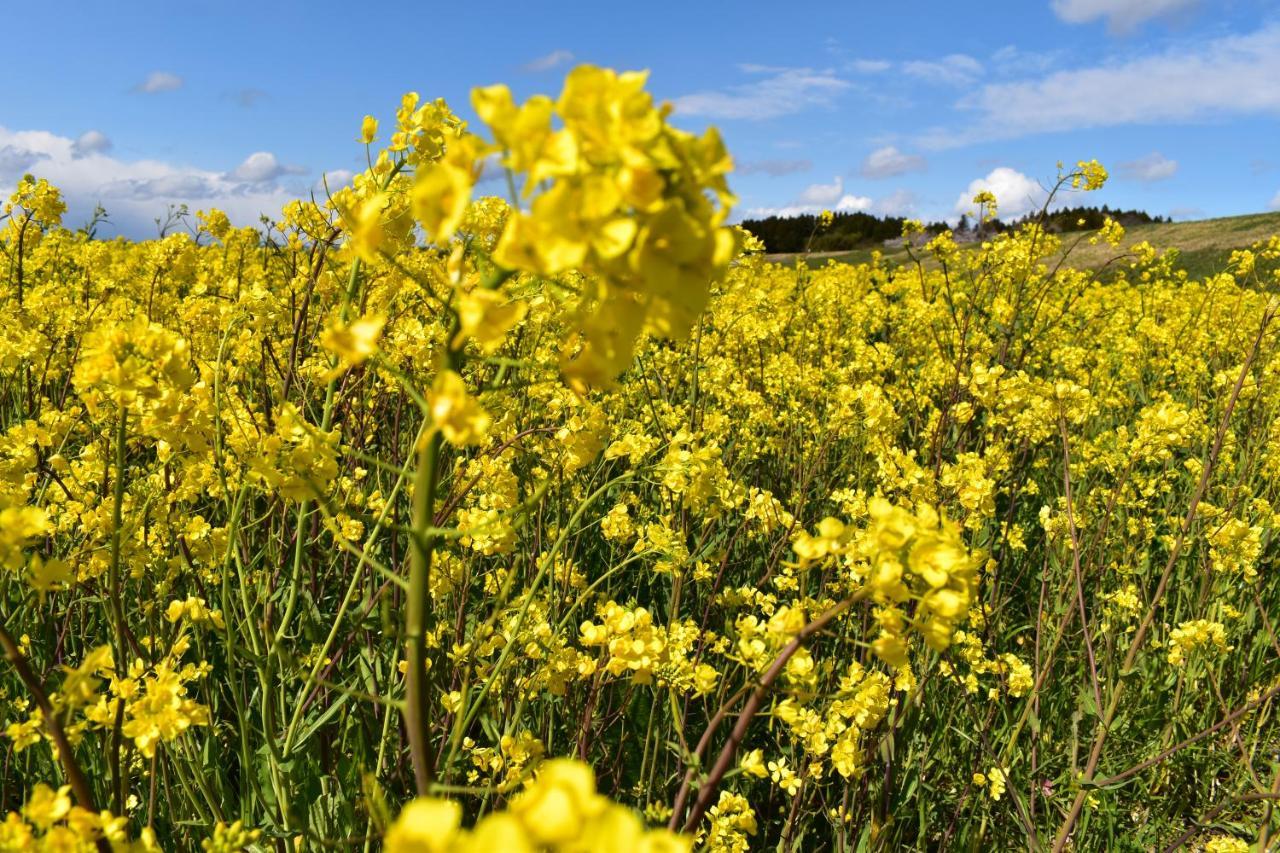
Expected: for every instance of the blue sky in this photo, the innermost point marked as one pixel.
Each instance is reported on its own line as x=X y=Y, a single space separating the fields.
x=891 y=108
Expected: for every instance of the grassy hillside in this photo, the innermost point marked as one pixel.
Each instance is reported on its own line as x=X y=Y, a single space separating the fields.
x=1204 y=245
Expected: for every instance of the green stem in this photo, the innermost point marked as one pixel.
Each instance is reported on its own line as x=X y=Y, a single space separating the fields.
x=117 y=611
x=416 y=698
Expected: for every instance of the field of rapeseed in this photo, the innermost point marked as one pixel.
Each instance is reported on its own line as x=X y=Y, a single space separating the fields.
x=431 y=521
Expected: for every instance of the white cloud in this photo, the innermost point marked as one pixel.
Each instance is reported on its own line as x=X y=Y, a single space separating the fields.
x=1232 y=75
x=870 y=66
x=1013 y=60
x=956 y=69
x=822 y=195
x=159 y=81
x=134 y=192
x=772 y=168
x=91 y=142
x=1275 y=202
x=1153 y=167
x=889 y=161
x=260 y=167
x=554 y=59
x=783 y=91
x=16 y=160
x=332 y=181
x=816 y=198
x=1122 y=15
x=897 y=203
x=851 y=203
x=1015 y=193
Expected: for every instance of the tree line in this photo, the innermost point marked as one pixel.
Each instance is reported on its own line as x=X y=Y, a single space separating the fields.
x=857 y=230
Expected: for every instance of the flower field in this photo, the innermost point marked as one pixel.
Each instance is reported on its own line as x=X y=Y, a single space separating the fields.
x=427 y=520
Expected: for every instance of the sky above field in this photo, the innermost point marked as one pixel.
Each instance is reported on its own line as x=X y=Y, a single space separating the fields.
x=903 y=109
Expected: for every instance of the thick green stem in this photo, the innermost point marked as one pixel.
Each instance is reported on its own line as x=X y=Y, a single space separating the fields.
x=117 y=610
x=415 y=627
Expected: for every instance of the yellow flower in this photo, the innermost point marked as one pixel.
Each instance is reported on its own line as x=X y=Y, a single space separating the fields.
x=426 y=825
x=45 y=806
x=48 y=575
x=366 y=228
x=353 y=343
x=560 y=800
x=996 y=779
x=485 y=316
x=753 y=763
x=458 y=416
x=368 y=129
x=499 y=831
x=440 y=197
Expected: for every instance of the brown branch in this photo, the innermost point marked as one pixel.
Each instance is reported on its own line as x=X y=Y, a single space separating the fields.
x=753 y=704
x=75 y=778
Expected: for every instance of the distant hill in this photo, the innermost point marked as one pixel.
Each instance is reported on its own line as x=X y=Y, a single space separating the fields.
x=1204 y=245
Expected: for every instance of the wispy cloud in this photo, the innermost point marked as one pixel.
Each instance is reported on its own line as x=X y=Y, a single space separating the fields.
x=773 y=168
x=159 y=81
x=1275 y=201
x=554 y=59
x=248 y=97
x=889 y=161
x=777 y=92
x=956 y=69
x=1231 y=75
x=1122 y=16
x=1153 y=167
x=870 y=66
x=1013 y=60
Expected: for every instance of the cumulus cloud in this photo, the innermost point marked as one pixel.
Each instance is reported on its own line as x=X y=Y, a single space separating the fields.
x=829 y=196
x=159 y=81
x=134 y=192
x=1122 y=16
x=189 y=187
x=1016 y=194
x=816 y=198
x=332 y=181
x=897 y=203
x=1231 y=75
x=16 y=160
x=956 y=69
x=261 y=167
x=772 y=168
x=777 y=92
x=889 y=161
x=91 y=142
x=1153 y=167
x=554 y=59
